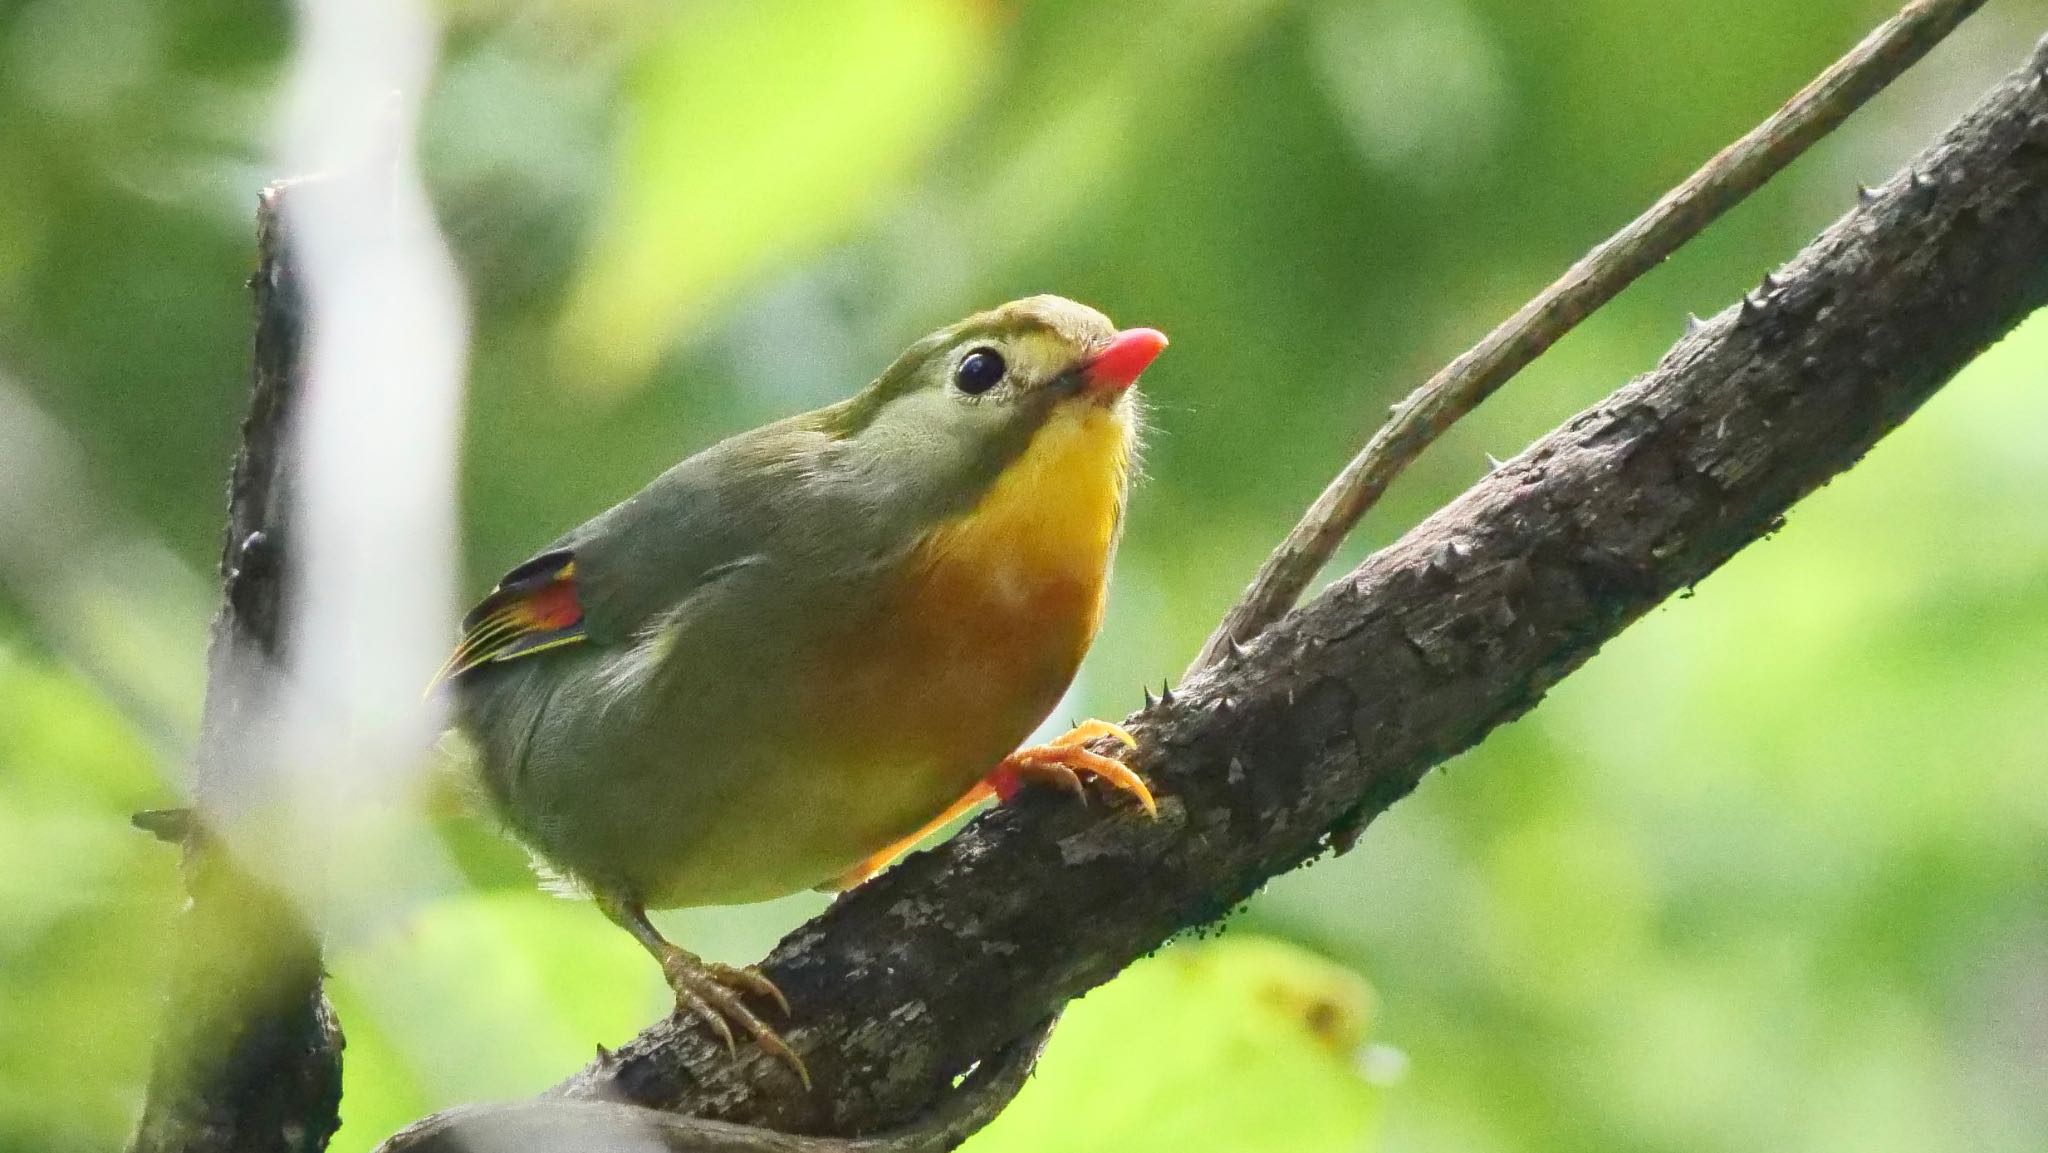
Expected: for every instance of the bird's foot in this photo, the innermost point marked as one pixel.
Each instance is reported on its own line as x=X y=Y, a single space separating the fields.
x=715 y=994
x=1063 y=763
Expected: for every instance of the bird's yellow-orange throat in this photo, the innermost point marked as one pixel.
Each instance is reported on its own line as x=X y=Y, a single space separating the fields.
x=990 y=619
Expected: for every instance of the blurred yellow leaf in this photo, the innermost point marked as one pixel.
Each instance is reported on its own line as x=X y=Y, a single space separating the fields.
x=84 y=904
x=1241 y=1044
x=481 y=995
x=759 y=131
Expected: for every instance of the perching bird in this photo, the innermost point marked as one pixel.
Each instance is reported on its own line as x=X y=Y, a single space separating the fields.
x=799 y=650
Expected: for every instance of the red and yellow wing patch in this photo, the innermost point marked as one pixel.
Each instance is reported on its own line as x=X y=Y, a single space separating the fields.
x=533 y=609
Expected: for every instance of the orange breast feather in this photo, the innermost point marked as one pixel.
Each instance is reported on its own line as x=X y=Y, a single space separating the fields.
x=987 y=627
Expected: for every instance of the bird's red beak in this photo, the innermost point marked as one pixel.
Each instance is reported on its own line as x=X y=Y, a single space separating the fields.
x=1123 y=360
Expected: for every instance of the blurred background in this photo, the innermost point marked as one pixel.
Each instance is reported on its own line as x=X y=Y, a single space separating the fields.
x=1771 y=872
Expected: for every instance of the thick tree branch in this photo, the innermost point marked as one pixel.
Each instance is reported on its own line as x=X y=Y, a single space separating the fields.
x=1338 y=710
x=544 y=1124
x=1598 y=277
x=248 y=1055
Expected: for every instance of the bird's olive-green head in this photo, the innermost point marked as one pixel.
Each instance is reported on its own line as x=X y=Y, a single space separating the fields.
x=962 y=405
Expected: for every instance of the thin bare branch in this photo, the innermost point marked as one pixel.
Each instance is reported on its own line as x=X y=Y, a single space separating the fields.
x=1597 y=278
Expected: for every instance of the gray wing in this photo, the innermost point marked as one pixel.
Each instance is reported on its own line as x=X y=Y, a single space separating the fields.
x=745 y=502
x=772 y=517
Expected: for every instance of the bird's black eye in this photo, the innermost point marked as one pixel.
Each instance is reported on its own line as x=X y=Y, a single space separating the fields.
x=979 y=371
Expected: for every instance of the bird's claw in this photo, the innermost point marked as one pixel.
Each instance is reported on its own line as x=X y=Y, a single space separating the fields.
x=1063 y=762
x=749 y=980
x=714 y=994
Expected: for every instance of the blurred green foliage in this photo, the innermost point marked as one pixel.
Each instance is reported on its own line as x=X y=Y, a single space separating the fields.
x=1241 y=1044
x=1769 y=873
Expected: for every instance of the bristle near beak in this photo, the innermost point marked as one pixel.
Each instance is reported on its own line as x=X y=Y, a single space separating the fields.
x=1123 y=360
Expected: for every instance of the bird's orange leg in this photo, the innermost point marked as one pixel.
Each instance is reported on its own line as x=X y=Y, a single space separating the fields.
x=1061 y=762
x=879 y=861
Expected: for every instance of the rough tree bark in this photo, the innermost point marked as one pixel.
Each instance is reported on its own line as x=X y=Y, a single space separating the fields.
x=1462 y=625
x=248 y=1054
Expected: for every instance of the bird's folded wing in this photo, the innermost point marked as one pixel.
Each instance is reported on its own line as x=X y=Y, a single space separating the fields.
x=703 y=521
x=534 y=608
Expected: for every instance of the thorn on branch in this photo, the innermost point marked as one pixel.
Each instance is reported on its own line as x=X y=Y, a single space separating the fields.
x=1166 y=693
x=171 y=826
x=1867 y=195
x=1343 y=836
x=1924 y=186
x=1149 y=702
x=254 y=557
x=1693 y=324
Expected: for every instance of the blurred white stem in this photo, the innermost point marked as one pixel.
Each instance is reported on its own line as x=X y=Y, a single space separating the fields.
x=374 y=507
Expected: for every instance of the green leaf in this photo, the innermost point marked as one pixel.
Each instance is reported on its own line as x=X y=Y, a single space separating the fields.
x=481 y=996
x=1241 y=1044
x=758 y=132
